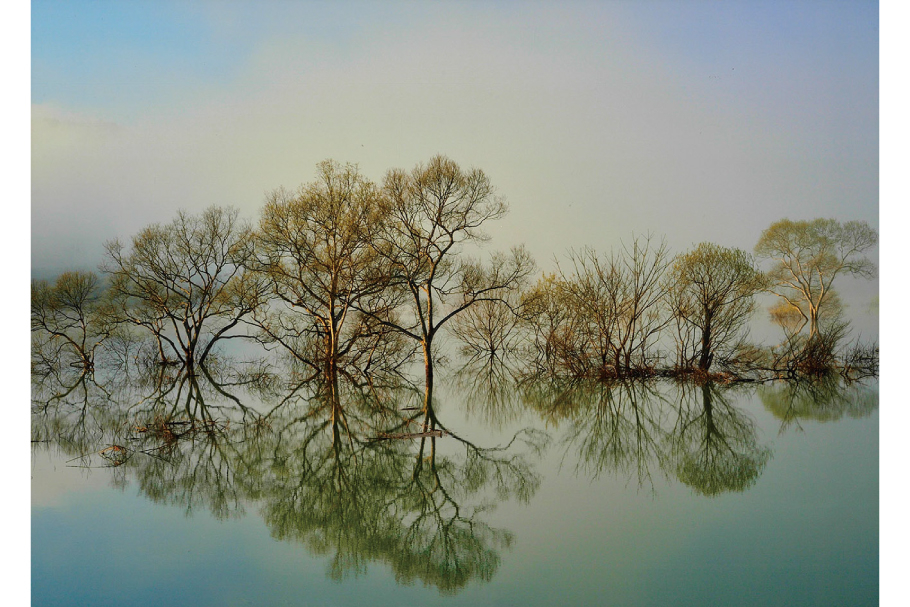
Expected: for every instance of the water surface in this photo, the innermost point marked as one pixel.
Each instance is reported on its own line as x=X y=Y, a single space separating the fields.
x=216 y=492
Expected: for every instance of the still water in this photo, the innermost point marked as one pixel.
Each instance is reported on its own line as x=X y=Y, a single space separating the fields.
x=244 y=489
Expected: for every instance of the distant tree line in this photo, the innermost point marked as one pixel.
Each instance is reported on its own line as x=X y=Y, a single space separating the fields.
x=353 y=278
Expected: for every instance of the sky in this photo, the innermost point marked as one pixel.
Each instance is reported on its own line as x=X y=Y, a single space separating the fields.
x=597 y=121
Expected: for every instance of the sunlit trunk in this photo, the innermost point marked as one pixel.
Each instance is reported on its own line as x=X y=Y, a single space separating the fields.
x=813 y=322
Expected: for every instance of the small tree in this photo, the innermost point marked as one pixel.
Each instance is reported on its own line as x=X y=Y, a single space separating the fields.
x=185 y=282
x=615 y=312
x=551 y=328
x=69 y=315
x=807 y=256
x=711 y=291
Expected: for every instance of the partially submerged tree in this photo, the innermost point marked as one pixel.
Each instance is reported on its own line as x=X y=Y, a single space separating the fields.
x=185 y=282
x=314 y=247
x=490 y=331
x=801 y=354
x=711 y=291
x=612 y=311
x=67 y=315
x=550 y=327
x=807 y=256
x=431 y=213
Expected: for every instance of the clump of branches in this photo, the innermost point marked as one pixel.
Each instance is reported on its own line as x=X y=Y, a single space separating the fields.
x=860 y=360
x=808 y=354
x=602 y=318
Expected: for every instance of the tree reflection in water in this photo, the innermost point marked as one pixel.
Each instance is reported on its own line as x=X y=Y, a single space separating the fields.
x=342 y=491
x=312 y=458
x=323 y=469
x=615 y=427
x=634 y=429
x=828 y=398
x=714 y=444
x=70 y=412
x=490 y=390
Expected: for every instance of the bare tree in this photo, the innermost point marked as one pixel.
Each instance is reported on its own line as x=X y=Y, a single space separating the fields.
x=491 y=330
x=711 y=291
x=314 y=246
x=68 y=314
x=185 y=283
x=615 y=312
x=431 y=213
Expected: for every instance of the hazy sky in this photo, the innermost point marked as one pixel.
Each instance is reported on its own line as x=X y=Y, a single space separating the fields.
x=595 y=120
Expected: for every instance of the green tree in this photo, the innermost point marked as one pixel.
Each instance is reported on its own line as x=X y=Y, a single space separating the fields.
x=806 y=258
x=711 y=297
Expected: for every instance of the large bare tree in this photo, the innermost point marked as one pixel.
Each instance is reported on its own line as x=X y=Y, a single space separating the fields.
x=314 y=246
x=430 y=214
x=185 y=282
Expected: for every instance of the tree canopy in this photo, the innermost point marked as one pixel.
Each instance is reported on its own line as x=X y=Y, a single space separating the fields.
x=807 y=256
x=185 y=281
x=711 y=296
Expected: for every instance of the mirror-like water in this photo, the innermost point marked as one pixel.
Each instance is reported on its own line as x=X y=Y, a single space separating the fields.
x=242 y=489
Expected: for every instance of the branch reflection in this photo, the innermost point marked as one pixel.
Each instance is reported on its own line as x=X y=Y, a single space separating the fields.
x=714 y=443
x=825 y=399
x=311 y=457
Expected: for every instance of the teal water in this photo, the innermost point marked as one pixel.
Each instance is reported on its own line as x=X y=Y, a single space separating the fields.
x=628 y=495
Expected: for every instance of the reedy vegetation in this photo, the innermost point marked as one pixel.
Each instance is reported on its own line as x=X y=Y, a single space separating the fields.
x=349 y=277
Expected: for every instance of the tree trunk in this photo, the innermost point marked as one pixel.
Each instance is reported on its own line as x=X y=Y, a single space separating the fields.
x=704 y=361
x=428 y=366
x=813 y=322
x=189 y=356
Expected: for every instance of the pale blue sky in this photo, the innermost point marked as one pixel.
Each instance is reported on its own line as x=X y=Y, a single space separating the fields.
x=694 y=120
